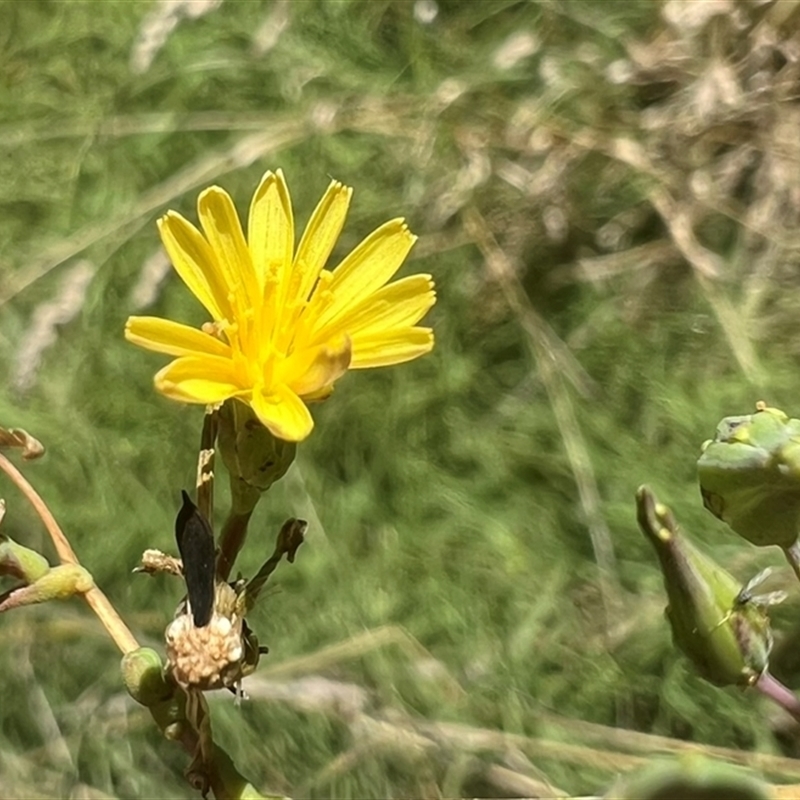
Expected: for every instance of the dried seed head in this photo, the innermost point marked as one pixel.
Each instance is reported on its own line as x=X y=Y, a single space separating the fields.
x=209 y=657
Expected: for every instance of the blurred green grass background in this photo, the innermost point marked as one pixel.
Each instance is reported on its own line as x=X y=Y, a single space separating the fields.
x=607 y=195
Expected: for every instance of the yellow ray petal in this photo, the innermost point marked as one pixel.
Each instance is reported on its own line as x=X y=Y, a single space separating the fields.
x=283 y=413
x=173 y=338
x=314 y=369
x=400 y=304
x=369 y=266
x=270 y=228
x=392 y=347
x=320 y=235
x=224 y=233
x=194 y=262
x=198 y=379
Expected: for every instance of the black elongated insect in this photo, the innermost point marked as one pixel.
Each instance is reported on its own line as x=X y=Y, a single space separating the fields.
x=196 y=545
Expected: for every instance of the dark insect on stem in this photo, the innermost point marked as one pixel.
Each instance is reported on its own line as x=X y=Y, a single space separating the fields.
x=196 y=545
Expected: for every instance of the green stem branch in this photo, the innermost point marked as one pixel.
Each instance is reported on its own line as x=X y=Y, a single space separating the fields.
x=98 y=602
x=234 y=534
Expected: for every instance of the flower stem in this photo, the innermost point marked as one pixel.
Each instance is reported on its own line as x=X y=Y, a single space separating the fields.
x=778 y=693
x=234 y=533
x=97 y=601
x=792 y=554
x=205 y=464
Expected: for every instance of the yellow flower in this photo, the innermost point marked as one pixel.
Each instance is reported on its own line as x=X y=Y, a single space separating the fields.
x=284 y=328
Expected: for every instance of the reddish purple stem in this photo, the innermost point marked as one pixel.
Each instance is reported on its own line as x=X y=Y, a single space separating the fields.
x=778 y=693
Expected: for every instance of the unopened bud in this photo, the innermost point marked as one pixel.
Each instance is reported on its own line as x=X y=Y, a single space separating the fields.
x=143 y=675
x=21 y=562
x=58 y=583
x=690 y=776
x=717 y=626
x=750 y=476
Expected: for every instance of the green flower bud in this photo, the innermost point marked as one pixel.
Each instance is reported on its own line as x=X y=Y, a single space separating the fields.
x=715 y=622
x=143 y=675
x=255 y=459
x=58 y=583
x=690 y=777
x=20 y=562
x=750 y=476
